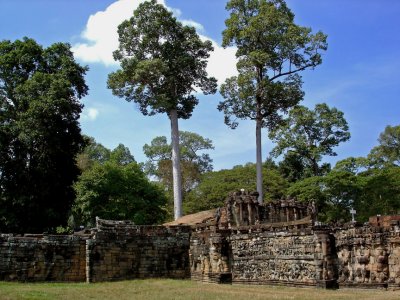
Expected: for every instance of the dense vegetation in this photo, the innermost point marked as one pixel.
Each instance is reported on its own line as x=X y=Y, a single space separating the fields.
x=113 y=186
x=40 y=135
x=51 y=175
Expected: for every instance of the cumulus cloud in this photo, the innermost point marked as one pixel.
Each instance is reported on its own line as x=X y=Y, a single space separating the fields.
x=100 y=39
x=90 y=114
x=100 y=35
x=222 y=61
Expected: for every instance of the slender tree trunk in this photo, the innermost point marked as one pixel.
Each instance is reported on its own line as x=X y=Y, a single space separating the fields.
x=176 y=164
x=259 y=161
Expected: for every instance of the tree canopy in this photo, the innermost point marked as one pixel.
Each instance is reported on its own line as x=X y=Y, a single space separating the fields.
x=194 y=161
x=162 y=64
x=271 y=50
x=370 y=185
x=191 y=145
x=40 y=135
x=310 y=134
x=388 y=150
x=113 y=186
x=214 y=187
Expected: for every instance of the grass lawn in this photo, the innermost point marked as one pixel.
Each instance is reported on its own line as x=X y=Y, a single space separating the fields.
x=178 y=289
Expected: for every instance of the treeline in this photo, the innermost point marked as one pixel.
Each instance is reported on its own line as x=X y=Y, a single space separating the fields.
x=53 y=178
x=370 y=185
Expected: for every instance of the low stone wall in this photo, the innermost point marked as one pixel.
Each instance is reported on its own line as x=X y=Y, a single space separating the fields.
x=125 y=251
x=42 y=258
x=114 y=250
x=296 y=254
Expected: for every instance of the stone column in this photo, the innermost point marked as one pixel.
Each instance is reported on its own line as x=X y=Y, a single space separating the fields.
x=240 y=213
x=250 y=211
x=394 y=262
x=324 y=260
x=89 y=246
x=287 y=213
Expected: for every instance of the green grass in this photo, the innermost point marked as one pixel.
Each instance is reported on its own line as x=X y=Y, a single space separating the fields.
x=178 y=289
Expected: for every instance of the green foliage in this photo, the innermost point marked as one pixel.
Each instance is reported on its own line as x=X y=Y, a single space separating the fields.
x=40 y=135
x=307 y=135
x=378 y=185
x=270 y=47
x=214 y=187
x=64 y=230
x=292 y=167
x=341 y=190
x=93 y=152
x=271 y=51
x=96 y=153
x=193 y=162
x=190 y=143
x=380 y=193
x=162 y=62
x=117 y=192
x=371 y=192
x=114 y=187
x=334 y=194
x=309 y=189
x=388 y=151
x=354 y=165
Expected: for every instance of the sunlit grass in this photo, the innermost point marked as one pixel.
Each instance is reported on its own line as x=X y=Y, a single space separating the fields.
x=178 y=289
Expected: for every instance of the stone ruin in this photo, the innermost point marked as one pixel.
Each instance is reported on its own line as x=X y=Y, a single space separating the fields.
x=277 y=243
x=280 y=243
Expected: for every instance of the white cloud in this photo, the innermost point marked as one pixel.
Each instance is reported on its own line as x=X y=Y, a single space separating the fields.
x=100 y=34
x=90 y=114
x=194 y=24
x=100 y=39
x=176 y=11
x=222 y=62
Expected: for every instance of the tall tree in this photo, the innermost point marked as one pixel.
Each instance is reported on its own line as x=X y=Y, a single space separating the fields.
x=40 y=135
x=271 y=50
x=162 y=64
x=310 y=134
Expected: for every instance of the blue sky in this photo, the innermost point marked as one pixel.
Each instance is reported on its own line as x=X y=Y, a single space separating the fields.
x=359 y=74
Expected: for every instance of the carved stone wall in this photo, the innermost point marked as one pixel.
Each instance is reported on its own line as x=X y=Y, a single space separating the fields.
x=263 y=257
x=279 y=243
x=42 y=258
x=242 y=209
x=368 y=256
x=221 y=249
x=273 y=257
x=210 y=256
